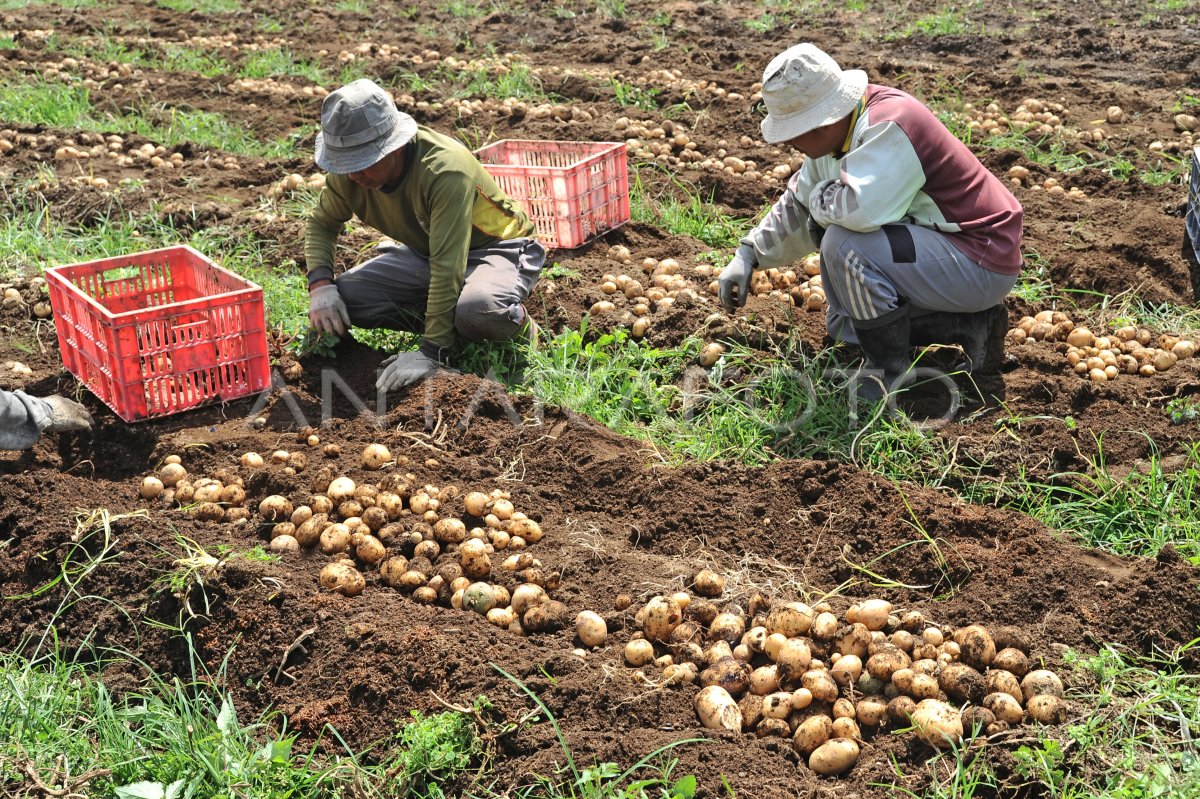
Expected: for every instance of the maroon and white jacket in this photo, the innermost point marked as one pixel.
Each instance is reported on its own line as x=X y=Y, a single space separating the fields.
x=901 y=165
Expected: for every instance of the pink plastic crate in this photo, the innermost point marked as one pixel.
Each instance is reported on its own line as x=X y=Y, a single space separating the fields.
x=160 y=332
x=572 y=191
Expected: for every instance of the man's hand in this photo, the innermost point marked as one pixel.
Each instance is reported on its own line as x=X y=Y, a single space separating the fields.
x=326 y=311
x=67 y=416
x=736 y=276
x=405 y=368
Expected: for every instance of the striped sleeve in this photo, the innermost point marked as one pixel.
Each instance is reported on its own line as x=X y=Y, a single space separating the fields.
x=781 y=237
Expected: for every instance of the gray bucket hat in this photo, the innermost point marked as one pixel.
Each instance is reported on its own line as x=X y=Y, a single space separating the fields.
x=360 y=125
x=804 y=89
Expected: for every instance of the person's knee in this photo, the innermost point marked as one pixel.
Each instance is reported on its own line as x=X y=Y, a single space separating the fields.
x=480 y=317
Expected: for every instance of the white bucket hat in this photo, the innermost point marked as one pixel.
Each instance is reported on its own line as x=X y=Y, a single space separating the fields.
x=360 y=125
x=804 y=89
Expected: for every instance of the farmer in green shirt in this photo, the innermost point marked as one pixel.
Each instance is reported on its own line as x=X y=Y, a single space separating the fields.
x=464 y=258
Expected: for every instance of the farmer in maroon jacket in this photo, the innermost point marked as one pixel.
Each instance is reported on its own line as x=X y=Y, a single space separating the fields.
x=919 y=242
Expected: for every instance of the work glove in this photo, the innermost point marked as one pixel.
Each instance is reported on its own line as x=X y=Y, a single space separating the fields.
x=736 y=276
x=66 y=416
x=405 y=368
x=326 y=311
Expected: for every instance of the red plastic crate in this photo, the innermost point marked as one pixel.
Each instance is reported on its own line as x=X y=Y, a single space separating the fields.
x=160 y=332
x=571 y=190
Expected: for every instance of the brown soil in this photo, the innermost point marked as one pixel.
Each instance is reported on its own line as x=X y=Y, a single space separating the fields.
x=617 y=520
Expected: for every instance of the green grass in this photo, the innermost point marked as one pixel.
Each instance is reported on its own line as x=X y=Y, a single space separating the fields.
x=57 y=105
x=274 y=62
x=1135 y=514
x=202 y=6
x=679 y=208
x=175 y=737
x=627 y=94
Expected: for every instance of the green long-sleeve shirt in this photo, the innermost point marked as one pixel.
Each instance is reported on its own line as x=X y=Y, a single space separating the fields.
x=446 y=205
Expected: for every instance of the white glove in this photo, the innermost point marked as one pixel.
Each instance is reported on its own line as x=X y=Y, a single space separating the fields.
x=736 y=276
x=67 y=416
x=326 y=311
x=405 y=368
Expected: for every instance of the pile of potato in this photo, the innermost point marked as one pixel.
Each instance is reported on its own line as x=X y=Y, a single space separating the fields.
x=801 y=672
x=665 y=284
x=1127 y=350
x=786 y=286
x=433 y=542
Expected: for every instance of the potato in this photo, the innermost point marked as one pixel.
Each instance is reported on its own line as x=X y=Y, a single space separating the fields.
x=450 y=531
x=1041 y=682
x=392 y=569
x=591 y=628
x=730 y=674
x=701 y=611
x=801 y=698
x=773 y=728
x=526 y=596
x=708 y=583
x=727 y=627
x=284 y=544
x=900 y=710
x=171 y=474
x=975 y=720
x=924 y=686
x=886 y=662
x=341 y=577
x=549 y=616
x=790 y=620
x=479 y=597
x=1004 y=707
x=847 y=670
x=683 y=673
x=151 y=487
x=639 y=652
x=1047 y=709
x=376 y=456
x=812 y=733
x=477 y=503
x=1004 y=682
x=937 y=723
x=1011 y=660
x=661 y=617
x=820 y=684
x=764 y=680
x=853 y=640
x=275 y=508
x=978 y=646
x=335 y=538
x=501 y=617
x=871 y=612
x=835 y=756
x=846 y=727
x=824 y=626
x=793 y=658
x=870 y=711
x=751 y=707
x=370 y=550
x=252 y=460
x=340 y=490
x=962 y=683
x=717 y=710
x=777 y=705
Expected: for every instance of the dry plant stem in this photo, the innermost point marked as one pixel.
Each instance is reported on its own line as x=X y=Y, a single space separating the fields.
x=295 y=646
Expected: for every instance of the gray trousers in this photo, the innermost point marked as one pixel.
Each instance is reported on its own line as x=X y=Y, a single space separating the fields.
x=22 y=419
x=391 y=289
x=866 y=274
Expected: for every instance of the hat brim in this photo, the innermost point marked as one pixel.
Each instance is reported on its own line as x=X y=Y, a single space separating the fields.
x=777 y=128
x=343 y=161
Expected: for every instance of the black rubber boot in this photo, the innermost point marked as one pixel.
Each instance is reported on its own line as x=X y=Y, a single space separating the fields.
x=981 y=336
x=884 y=342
